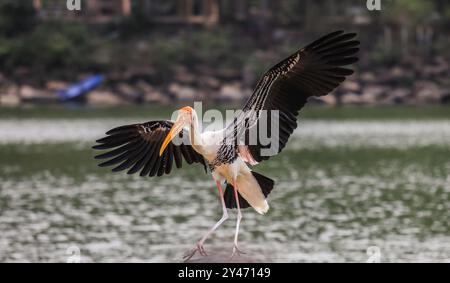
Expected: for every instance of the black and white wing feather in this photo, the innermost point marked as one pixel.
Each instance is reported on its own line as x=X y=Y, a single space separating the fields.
x=136 y=148
x=314 y=70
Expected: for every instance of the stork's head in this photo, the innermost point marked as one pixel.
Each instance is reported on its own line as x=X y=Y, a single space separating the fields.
x=185 y=117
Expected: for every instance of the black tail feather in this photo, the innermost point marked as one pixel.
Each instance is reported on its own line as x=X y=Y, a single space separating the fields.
x=264 y=182
x=230 y=201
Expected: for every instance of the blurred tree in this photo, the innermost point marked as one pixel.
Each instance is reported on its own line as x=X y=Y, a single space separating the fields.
x=250 y=35
x=288 y=12
x=51 y=49
x=16 y=17
x=414 y=18
x=410 y=12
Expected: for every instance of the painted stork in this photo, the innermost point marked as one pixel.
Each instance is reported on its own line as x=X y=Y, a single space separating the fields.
x=150 y=148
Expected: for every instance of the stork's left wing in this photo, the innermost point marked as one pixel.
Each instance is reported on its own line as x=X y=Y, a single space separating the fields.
x=136 y=147
x=314 y=70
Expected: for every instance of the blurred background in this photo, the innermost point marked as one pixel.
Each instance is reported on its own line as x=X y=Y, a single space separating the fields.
x=163 y=51
x=368 y=165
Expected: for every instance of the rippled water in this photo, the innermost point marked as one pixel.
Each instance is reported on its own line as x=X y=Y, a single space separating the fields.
x=341 y=187
x=315 y=133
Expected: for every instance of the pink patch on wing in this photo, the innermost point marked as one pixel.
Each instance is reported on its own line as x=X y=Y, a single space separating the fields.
x=245 y=154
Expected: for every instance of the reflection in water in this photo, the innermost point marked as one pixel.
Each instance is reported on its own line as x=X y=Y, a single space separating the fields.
x=331 y=202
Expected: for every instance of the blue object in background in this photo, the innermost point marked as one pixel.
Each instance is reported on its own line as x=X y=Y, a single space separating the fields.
x=80 y=88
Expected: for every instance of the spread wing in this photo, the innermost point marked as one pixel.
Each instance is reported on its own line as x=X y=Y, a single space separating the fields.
x=314 y=70
x=136 y=148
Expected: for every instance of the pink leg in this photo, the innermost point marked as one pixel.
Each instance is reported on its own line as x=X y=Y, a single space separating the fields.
x=239 y=217
x=199 y=246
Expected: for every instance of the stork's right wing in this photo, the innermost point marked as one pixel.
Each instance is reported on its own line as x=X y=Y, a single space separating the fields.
x=136 y=147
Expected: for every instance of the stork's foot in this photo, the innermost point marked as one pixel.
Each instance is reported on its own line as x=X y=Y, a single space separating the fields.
x=237 y=251
x=190 y=253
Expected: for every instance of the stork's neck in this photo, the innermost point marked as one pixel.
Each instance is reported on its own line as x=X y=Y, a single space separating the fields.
x=195 y=135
